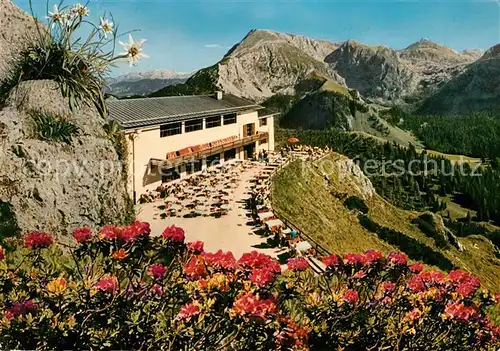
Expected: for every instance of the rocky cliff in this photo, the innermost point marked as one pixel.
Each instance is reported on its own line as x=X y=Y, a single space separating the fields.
x=52 y=186
x=475 y=89
x=265 y=63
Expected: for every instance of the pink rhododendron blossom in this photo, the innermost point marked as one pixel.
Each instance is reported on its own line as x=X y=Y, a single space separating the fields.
x=256 y=259
x=82 y=234
x=359 y=275
x=388 y=286
x=188 y=311
x=220 y=260
x=351 y=296
x=195 y=247
x=331 y=261
x=373 y=256
x=157 y=289
x=37 y=240
x=251 y=305
x=459 y=311
x=174 y=234
x=297 y=264
x=262 y=277
x=354 y=259
x=157 y=271
x=416 y=268
x=397 y=258
x=107 y=283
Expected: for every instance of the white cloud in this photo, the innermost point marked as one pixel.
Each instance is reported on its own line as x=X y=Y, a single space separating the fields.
x=213 y=46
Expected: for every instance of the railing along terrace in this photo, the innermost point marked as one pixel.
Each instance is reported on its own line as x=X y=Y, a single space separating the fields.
x=175 y=161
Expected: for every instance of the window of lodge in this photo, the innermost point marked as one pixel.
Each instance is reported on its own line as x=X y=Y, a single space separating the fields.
x=229 y=119
x=170 y=129
x=212 y=122
x=193 y=125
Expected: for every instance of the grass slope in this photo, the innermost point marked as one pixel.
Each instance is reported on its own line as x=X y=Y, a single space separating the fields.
x=300 y=195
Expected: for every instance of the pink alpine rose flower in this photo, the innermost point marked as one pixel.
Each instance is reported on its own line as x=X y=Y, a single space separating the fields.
x=174 y=234
x=388 y=286
x=188 y=311
x=108 y=283
x=82 y=234
x=397 y=259
x=157 y=271
x=262 y=277
x=297 y=264
x=416 y=268
x=373 y=256
x=38 y=240
x=331 y=261
x=351 y=296
x=195 y=247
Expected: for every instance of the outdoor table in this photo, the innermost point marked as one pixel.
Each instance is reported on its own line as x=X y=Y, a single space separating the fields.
x=303 y=246
x=175 y=207
x=274 y=223
x=286 y=231
x=262 y=216
x=200 y=209
x=225 y=207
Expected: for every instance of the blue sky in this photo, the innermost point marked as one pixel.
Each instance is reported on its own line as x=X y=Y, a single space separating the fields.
x=185 y=35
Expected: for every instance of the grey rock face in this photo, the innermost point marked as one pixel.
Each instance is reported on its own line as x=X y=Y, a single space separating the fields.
x=265 y=63
x=375 y=72
x=54 y=186
x=16 y=28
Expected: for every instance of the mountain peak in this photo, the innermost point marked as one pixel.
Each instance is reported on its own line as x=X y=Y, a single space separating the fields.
x=155 y=74
x=427 y=43
x=493 y=52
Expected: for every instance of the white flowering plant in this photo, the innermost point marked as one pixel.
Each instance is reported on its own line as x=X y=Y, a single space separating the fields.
x=79 y=64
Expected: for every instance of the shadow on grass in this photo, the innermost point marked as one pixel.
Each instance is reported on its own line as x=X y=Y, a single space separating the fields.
x=410 y=246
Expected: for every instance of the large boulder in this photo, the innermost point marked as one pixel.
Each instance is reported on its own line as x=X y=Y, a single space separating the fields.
x=51 y=186
x=17 y=28
x=55 y=186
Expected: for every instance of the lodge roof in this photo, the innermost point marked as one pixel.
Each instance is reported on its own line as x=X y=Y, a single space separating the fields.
x=142 y=112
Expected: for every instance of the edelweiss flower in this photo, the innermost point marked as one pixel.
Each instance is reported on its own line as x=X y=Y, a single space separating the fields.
x=133 y=50
x=55 y=16
x=80 y=10
x=106 y=26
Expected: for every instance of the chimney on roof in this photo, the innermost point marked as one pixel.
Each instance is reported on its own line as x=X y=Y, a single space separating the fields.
x=218 y=95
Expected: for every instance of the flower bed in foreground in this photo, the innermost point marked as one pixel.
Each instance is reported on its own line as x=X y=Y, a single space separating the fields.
x=122 y=289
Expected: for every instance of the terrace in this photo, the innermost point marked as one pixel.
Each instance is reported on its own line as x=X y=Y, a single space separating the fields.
x=198 y=152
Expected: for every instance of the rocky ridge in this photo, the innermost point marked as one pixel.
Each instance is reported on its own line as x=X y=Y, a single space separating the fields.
x=265 y=63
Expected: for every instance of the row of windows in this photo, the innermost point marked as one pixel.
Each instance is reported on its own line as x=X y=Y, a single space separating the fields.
x=196 y=124
x=212 y=122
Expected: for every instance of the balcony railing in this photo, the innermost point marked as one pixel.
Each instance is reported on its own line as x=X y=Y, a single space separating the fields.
x=176 y=161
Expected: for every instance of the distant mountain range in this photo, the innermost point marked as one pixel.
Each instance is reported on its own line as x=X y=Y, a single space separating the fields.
x=144 y=83
x=419 y=77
